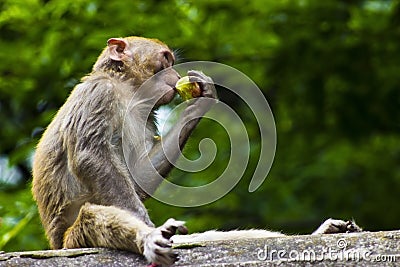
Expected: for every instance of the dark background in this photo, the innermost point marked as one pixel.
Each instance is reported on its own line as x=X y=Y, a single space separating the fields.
x=329 y=69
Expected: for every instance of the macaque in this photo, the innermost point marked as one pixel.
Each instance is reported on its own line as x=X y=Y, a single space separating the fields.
x=86 y=195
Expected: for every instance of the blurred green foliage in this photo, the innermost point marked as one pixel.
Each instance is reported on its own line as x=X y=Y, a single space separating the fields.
x=330 y=70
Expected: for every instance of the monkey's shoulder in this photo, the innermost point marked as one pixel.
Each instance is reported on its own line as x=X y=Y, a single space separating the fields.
x=92 y=104
x=94 y=86
x=94 y=95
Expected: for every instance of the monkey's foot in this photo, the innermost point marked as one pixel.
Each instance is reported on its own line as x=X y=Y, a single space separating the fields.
x=332 y=226
x=158 y=244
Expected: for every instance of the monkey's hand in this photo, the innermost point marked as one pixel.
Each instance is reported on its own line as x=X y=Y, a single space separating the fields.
x=206 y=83
x=166 y=152
x=158 y=244
x=332 y=226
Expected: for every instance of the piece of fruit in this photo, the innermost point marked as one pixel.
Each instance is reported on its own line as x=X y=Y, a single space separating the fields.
x=186 y=89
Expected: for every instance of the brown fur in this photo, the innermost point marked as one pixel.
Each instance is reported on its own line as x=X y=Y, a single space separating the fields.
x=85 y=193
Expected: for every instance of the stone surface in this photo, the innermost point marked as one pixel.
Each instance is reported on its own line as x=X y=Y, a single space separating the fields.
x=355 y=249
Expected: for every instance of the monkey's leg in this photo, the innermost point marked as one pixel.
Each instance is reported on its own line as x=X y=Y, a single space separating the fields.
x=112 y=227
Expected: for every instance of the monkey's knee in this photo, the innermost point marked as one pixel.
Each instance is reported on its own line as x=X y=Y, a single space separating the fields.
x=78 y=234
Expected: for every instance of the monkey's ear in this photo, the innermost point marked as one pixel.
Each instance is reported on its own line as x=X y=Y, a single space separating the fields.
x=116 y=47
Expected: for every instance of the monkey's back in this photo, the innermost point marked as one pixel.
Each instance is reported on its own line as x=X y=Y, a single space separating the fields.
x=57 y=190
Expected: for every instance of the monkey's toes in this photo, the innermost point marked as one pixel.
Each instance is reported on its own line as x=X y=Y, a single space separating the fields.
x=332 y=226
x=169 y=228
x=183 y=230
x=352 y=227
x=158 y=246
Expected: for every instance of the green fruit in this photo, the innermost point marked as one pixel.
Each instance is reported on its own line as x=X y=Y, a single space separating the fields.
x=186 y=89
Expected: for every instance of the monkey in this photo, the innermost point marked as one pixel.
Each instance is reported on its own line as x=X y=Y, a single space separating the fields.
x=85 y=194
x=82 y=184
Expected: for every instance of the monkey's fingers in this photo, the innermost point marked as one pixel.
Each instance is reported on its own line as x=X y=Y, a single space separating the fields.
x=206 y=83
x=198 y=77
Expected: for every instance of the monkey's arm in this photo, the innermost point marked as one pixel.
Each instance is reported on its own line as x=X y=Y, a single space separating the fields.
x=166 y=152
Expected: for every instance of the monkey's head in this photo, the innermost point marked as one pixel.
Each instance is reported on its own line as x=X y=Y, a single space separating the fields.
x=137 y=59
